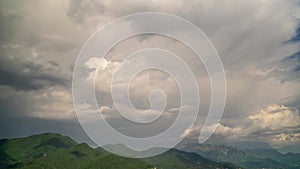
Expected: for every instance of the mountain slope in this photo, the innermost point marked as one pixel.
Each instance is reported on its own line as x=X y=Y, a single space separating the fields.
x=252 y=159
x=17 y=150
x=292 y=160
x=56 y=151
x=82 y=156
x=172 y=159
x=176 y=159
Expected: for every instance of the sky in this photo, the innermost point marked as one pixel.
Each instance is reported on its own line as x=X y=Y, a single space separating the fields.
x=257 y=41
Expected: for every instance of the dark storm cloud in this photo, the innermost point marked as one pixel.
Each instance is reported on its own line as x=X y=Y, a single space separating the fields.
x=287 y=69
x=297 y=35
x=18 y=68
x=30 y=75
x=295 y=57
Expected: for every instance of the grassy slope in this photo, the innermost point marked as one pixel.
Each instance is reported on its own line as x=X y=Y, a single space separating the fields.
x=56 y=151
x=18 y=150
x=82 y=156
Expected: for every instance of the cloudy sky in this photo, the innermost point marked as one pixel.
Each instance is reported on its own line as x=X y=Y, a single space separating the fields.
x=258 y=43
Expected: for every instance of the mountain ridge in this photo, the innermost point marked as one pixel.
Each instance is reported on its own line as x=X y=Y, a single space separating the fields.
x=56 y=151
x=248 y=158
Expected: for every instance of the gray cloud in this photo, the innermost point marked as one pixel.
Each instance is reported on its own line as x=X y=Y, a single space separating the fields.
x=9 y=21
x=244 y=36
x=38 y=47
x=26 y=74
x=297 y=36
x=79 y=11
x=288 y=69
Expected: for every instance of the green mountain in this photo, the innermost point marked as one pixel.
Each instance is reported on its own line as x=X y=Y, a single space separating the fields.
x=251 y=159
x=57 y=151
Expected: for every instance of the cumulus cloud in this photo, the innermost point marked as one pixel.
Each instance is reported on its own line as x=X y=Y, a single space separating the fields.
x=102 y=72
x=276 y=117
x=275 y=124
x=140 y=86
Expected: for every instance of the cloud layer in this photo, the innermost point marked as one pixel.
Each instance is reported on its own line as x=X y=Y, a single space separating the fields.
x=258 y=42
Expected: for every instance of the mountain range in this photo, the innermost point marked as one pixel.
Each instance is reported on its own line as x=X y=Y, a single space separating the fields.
x=51 y=150
x=249 y=158
x=56 y=151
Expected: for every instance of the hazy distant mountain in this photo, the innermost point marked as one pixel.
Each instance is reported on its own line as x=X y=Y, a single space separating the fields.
x=290 y=159
x=252 y=159
x=175 y=159
x=56 y=151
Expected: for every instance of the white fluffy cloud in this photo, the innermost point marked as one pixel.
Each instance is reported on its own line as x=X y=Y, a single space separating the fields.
x=101 y=71
x=275 y=117
x=275 y=124
x=140 y=86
